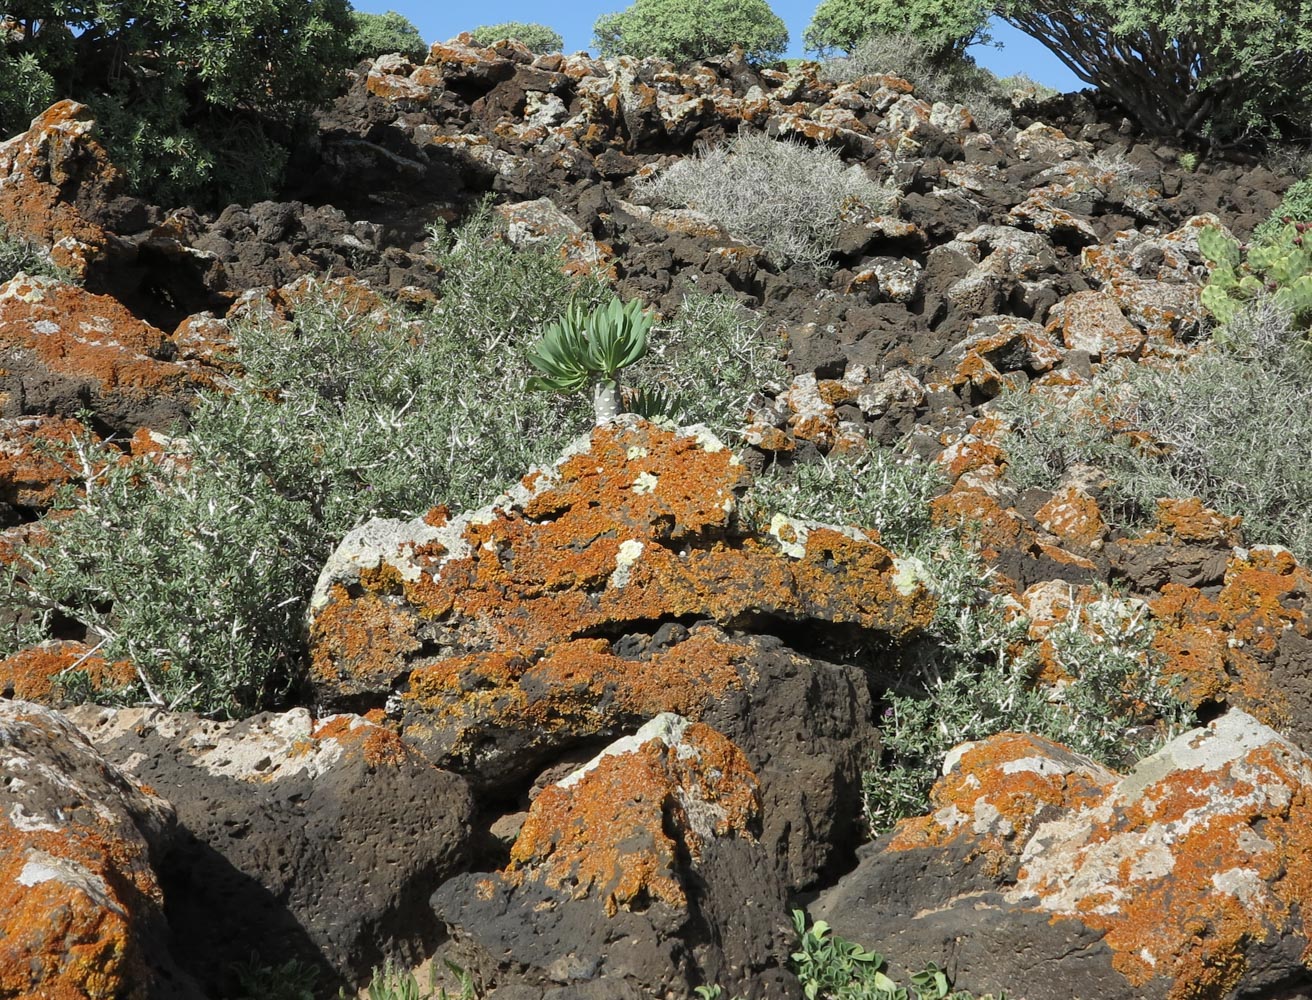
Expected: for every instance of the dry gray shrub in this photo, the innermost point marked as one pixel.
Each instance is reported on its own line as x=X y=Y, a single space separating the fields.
x=781 y=196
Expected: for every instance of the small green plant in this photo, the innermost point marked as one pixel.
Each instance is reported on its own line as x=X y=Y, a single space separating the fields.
x=1188 y=162
x=1295 y=206
x=588 y=348
x=785 y=197
x=833 y=968
x=1279 y=265
x=393 y=983
x=292 y=980
x=18 y=254
x=538 y=37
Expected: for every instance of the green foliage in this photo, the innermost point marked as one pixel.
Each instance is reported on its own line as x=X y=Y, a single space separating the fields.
x=937 y=75
x=1279 y=265
x=966 y=679
x=538 y=37
x=833 y=968
x=945 y=28
x=18 y=254
x=292 y=980
x=588 y=348
x=178 y=89
x=1194 y=70
x=393 y=983
x=375 y=35
x=970 y=684
x=590 y=345
x=782 y=196
x=1188 y=162
x=25 y=90
x=686 y=30
x=1295 y=206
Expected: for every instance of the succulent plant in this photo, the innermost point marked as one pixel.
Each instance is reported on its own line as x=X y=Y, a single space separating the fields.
x=1280 y=266
x=589 y=347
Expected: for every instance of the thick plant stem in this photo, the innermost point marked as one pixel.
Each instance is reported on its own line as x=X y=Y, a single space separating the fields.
x=606 y=401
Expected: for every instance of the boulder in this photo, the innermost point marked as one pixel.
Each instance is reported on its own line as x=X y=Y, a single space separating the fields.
x=81 y=908
x=68 y=349
x=640 y=874
x=51 y=177
x=600 y=593
x=318 y=840
x=1045 y=875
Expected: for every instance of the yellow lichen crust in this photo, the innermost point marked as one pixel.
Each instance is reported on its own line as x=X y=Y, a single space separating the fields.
x=1221 y=648
x=618 y=832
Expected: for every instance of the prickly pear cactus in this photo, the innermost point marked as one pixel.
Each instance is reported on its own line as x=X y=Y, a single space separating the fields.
x=1280 y=265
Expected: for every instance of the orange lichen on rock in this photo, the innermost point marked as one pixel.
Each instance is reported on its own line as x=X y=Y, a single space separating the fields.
x=577 y=687
x=1074 y=518
x=993 y=527
x=639 y=527
x=624 y=828
x=1189 y=520
x=36 y=673
x=90 y=338
x=39 y=456
x=362 y=641
x=44 y=170
x=378 y=744
x=998 y=790
x=1201 y=853
x=78 y=899
x=1221 y=648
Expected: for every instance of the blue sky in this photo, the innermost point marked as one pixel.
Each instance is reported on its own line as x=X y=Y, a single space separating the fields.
x=574 y=19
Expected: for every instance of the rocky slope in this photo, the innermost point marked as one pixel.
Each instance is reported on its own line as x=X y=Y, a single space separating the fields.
x=597 y=739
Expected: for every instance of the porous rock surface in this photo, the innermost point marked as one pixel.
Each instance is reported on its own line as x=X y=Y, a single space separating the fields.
x=633 y=876
x=605 y=591
x=317 y=840
x=81 y=907
x=1044 y=872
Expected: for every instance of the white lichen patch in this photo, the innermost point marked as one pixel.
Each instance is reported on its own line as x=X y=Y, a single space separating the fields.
x=705 y=438
x=635 y=452
x=42 y=867
x=20 y=819
x=629 y=552
x=1245 y=884
x=385 y=541
x=789 y=534
x=645 y=483
x=910 y=575
x=668 y=727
